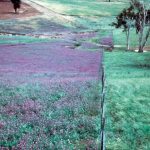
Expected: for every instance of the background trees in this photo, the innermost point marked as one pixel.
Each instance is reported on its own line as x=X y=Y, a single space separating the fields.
x=126 y=19
x=142 y=23
x=137 y=16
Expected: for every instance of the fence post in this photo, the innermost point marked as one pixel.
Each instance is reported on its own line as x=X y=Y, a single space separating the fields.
x=103 y=110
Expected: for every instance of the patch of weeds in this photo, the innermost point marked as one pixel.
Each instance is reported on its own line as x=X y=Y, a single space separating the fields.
x=90 y=109
x=44 y=121
x=10 y=140
x=64 y=113
x=86 y=129
x=26 y=128
x=56 y=96
x=91 y=102
x=8 y=95
x=108 y=41
x=77 y=44
x=95 y=40
x=11 y=137
x=68 y=112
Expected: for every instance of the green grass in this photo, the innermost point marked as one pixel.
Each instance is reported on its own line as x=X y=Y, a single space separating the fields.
x=85 y=7
x=128 y=82
x=119 y=38
x=86 y=13
x=6 y=39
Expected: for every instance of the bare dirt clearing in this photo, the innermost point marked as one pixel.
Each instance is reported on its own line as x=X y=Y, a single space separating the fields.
x=7 y=11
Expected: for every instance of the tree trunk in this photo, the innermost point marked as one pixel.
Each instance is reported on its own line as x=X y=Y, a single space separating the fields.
x=141 y=40
x=141 y=33
x=128 y=38
x=146 y=37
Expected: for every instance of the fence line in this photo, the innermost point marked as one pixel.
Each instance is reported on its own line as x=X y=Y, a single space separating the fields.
x=103 y=107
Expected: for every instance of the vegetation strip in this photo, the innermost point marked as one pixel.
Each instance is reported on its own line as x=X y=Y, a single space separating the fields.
x=53 y=36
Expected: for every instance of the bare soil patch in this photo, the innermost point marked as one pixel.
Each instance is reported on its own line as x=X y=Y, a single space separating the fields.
x=7 y=11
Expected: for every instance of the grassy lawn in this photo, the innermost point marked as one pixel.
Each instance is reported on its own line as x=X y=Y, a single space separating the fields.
x=128 y=82
x=85 y=7
x=6 y=39
x=87 y=13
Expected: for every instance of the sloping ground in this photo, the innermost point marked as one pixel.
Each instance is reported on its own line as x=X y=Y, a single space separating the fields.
x=34 y=25
x=7 y=11
x=84 y=13
x=29 y=20
x=49 y=91
x=47 y=62
x=49 y=97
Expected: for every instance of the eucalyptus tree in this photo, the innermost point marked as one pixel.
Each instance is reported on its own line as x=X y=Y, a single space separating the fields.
x=142 y=22
x=126 y=20
x=136 y=16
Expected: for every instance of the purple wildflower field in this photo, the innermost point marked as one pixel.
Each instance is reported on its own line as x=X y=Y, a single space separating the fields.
x=47 y=62
x=46 y=91
x=49 y=90
x=107 y=41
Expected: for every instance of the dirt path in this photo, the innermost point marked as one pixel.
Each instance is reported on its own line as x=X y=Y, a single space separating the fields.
x=7 y=11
